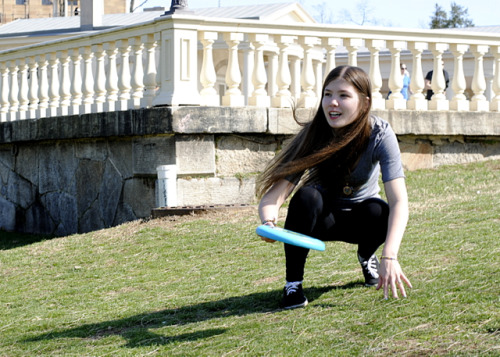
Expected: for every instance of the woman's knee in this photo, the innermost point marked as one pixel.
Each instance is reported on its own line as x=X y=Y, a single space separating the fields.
x=307 y=197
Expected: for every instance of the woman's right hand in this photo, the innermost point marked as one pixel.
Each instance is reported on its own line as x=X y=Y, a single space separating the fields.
x=268 y=240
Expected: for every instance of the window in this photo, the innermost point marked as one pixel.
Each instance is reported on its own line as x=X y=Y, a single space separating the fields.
x=20 y=2
x=46 y=2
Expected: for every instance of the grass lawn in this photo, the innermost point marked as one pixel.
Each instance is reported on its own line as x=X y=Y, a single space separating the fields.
x=206 y=285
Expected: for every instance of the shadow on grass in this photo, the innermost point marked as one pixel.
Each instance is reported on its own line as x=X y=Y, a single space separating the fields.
x=11 y=240
x=137 y=329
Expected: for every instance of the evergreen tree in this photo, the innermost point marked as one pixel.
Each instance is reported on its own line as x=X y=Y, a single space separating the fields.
x=458 y=17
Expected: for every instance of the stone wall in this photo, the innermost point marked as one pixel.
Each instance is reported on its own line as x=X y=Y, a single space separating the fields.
x=82 y=173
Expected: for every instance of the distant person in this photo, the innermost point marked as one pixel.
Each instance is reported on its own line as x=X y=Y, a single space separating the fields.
x=77 y=11
x=405 y=91
x=406 y=81
x=428 y=79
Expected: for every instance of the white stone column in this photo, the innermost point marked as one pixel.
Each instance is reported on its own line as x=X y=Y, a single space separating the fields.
x=459 y=102
x=14 y=90
x=417 y=99
x=272 y=73
x=259 y=96
x=438 y=83
x=100 y=79
x=283 y=97
x=43 y=87
x=396 y=99
x=150 y=71
x=178 y=68
x=137 y=77
x=352 y=45
x=308 y=98
x=374 y=46
x=76 y=82
x=111 y=78
x=233 y=96
x=88 y=80
x=295 y=77
x=54 y=84
x=33 y=87
x=495 y=101
x=23 y=89
x=208 y=76
x=124 y=77
x=318 y=74
x=65 y=85
x=247 y=51
x=478 y=101
x=330 y=44
x=4 y=93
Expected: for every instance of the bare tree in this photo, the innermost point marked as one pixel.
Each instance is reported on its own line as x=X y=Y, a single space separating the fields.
x=132 y=8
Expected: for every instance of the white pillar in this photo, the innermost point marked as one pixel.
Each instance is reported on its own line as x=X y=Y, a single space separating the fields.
x=33 y=87
x=283 y=97
x=14 y=90
x=208 y=76
x=23 y=89
x=459 y=101
x=478 y=101
x=374 y=46
x=353 y=45
x=76 y=82
x=112 y=77
x=331 y=44
x=308 y=97
x=123 y=76
x=417 y=99
x=88 y=80
x=438 y=83
x=100 y=79
x=43 y=87
x=259 y=96
x=150 y=71
x=137 y=77
x=233 y=96
x=65 y=85
x=495 y=101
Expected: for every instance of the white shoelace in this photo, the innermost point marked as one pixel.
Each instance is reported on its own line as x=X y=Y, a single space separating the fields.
x=292 y=287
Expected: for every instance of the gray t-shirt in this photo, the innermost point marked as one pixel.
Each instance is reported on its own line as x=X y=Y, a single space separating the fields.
x=381 y=155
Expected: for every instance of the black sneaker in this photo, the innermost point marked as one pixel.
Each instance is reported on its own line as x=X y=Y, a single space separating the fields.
x=293 y=296
x=370 y=269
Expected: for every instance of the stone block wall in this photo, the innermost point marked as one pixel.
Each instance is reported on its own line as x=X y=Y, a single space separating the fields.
x=81 y=173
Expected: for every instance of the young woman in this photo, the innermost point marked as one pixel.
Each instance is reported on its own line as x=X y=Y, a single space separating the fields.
x=334 y=162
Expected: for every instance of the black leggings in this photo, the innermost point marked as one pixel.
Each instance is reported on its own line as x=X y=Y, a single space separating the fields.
x=311 y=213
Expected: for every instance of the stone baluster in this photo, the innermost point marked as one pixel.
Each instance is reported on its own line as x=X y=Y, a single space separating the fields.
x=233 y=96
x=478 y=101
x=272 y=73
x=76 y=82
x=438 y=83
x=396 y=99
x=283 y=97
x=417 y=99
x=112 y=77
x=23 y=89
x=137 y=84
x=54 y=84
x=259 y=96
x=88 y=80
x=124 y=75
x=208 y=76
x=318 y=73
x=459 y=101
x=308 y=97
x=495 y=101
x=100 y=79
x=14 y=90
x=33 y=87
x=374 y=46
x=65 y=85
x=4 y=94
x=150 y=71
x=43 y=87
x=330 y=44
x=352 y=45
x=247 y=51
x=295 y=75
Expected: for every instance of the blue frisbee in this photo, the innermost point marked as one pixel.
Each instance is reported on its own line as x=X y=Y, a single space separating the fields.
x=290 y=237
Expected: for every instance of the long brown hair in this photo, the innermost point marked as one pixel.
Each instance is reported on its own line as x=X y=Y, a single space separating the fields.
x=317 y=141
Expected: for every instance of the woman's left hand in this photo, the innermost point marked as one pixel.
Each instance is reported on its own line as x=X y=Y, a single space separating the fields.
x=391 y=276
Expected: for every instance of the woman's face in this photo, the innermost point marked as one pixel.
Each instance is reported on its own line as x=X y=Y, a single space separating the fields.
x=341 y=103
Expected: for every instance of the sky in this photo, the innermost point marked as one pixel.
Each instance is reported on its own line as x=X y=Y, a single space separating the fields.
x=392 y=13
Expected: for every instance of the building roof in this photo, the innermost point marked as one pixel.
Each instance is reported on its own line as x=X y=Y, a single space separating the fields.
x=53 y=26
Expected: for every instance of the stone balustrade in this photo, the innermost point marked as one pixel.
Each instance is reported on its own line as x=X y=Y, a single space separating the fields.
x=190 y=60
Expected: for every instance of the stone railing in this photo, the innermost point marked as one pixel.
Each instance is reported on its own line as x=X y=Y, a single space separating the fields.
x=190 y=60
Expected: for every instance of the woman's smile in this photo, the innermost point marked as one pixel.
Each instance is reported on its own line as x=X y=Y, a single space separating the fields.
x=340 y=103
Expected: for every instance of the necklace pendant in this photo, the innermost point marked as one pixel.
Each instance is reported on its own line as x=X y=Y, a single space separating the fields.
x=348 y=190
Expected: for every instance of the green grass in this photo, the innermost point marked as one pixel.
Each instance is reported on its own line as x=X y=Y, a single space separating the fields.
x=206 y=285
